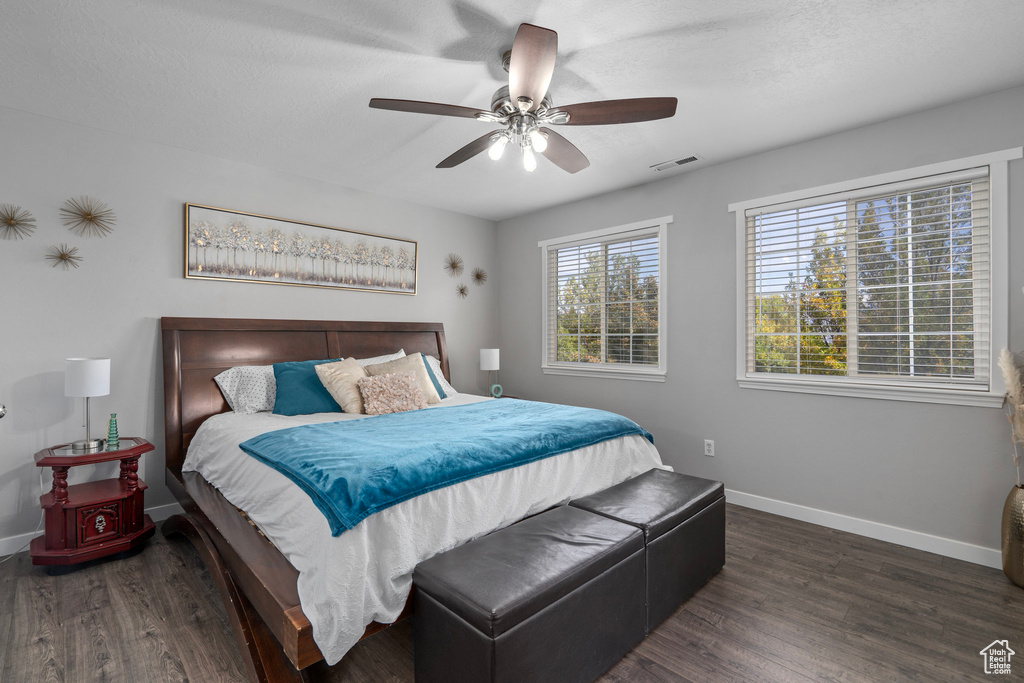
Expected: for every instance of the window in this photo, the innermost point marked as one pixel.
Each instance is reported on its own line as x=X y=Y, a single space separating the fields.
x=889 y=287
x=603 y=302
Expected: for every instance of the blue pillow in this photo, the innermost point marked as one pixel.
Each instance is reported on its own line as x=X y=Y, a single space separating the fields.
x=433 y=378
x=299 y=390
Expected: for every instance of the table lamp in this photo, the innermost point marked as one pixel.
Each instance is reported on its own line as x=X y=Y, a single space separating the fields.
x=85 y=378
x=489 y=362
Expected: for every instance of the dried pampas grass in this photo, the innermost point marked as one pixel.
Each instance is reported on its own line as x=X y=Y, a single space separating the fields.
x=1011 y=367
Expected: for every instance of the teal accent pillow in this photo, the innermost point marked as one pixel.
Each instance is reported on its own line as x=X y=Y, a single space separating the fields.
x=299 y=390
x=433 y=377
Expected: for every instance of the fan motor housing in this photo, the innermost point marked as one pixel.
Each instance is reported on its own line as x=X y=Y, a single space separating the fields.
x=501 y=102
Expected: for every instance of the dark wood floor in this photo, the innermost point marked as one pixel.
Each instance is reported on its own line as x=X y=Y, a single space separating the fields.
x=794 y=602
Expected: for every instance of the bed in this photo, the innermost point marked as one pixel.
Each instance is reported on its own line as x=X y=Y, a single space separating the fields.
x=258 y=584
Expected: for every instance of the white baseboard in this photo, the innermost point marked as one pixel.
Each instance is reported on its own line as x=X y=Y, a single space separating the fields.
x=162 y=512
x=989 y=557
x=14 y=544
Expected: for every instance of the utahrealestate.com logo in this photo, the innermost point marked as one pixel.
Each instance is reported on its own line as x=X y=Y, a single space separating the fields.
x=997 y=657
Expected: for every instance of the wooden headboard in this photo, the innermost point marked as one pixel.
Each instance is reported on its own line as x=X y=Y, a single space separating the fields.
x=197 y=349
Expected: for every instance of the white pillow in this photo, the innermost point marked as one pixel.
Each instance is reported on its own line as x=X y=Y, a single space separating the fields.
x=248 y=388
x=435 y=366
x=400 y=353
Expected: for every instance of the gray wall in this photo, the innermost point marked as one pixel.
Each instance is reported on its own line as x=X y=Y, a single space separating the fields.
x=934 y=469
x=111 y=305
x=941 y=470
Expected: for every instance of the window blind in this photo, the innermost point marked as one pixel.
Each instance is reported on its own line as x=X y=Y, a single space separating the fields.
x=885 y=284
x=603 y=300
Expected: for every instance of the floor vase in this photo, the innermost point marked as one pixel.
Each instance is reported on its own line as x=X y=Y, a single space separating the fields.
x=1013 y=536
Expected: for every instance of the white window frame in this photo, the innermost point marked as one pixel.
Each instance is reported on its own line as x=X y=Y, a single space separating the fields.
x=990 y=396
x=609 y=370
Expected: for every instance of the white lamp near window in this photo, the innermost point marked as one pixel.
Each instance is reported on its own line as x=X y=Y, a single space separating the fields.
x=489 y=362
x=85 y=378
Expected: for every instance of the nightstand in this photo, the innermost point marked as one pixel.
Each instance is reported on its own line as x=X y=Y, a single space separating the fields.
x=95 y=519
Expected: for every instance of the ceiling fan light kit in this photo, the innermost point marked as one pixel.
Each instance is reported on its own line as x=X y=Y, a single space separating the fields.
x=537 y=139
x=497 y=148
x=524 y=109
x=529 y=160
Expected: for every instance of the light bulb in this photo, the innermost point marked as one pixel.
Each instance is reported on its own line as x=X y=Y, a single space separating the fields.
x=529 y=160
x=539 y=142
x=498 y=148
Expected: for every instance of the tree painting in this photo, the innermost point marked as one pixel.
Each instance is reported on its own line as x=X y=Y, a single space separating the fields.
x=228 y=245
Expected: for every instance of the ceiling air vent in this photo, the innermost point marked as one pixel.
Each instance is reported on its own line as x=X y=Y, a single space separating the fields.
x=675 y=164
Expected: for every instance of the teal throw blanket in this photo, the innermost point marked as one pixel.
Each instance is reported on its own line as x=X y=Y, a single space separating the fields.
x=354 y=468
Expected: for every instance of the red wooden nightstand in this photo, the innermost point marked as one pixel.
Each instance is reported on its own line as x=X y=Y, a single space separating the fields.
x=95 y=519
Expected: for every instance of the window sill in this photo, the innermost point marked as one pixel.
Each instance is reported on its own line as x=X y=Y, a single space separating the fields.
x=961 y=397
x=605 y=373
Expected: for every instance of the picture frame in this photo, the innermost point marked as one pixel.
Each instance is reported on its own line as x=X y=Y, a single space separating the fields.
x=225 y=244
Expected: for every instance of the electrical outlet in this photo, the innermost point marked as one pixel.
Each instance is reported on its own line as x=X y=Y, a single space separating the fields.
x=709 y=447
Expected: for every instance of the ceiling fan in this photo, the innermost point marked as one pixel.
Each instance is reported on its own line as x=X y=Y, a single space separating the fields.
x=524 y=108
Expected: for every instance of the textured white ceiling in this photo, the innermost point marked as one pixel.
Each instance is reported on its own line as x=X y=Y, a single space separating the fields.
x=284 y=84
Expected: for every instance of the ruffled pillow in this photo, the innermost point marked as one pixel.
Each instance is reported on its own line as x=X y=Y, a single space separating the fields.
x=394 y=393
x=414 y=365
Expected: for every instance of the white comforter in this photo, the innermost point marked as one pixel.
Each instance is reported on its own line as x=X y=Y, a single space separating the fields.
x=365 y=574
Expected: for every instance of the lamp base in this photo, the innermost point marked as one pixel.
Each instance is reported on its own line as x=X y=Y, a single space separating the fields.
x=496 y=390
x=87 y=446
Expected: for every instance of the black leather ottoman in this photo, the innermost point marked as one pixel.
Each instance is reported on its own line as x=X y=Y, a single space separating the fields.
x=556 y=597
x=683 y=520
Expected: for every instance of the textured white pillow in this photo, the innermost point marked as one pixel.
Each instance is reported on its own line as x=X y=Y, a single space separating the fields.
x=394 y=393
x=435 y=365
x=413 y=365
x=248 y=388
x=400 y=353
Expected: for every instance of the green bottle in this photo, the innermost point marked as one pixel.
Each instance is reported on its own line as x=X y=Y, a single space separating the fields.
x=112 y=440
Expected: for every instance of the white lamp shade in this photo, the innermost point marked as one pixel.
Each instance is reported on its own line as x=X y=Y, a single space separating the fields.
x=489 y=359
x=87 y=377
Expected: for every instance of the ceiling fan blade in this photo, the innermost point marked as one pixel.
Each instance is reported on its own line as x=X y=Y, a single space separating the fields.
x=563 y=153
x=532 y=63
x=424 y=107
x=619 y=111
x=469 y=151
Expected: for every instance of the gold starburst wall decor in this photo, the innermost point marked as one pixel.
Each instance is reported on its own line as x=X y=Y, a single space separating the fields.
x=454 y=265
x=87 y=217
x=462 y=291
x=64 y=256
x=479 y=276
x=15 y=222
